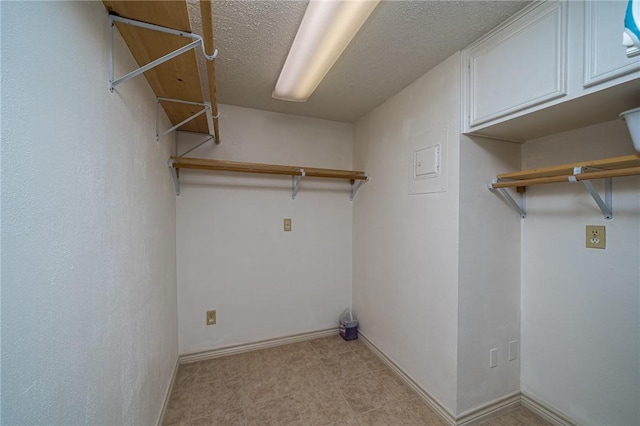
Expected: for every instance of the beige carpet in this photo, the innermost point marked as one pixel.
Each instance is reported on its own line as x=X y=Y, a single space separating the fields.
x=320 y=382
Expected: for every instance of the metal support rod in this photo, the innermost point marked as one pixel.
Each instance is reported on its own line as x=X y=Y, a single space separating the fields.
x=174 y=175
x=111 y=25
x=295 y=182
x=208 y=38
x=158 y=123
x=207 y=109
x=606 y=206
x=521 y=207
x=180 y=101
x=153 y=64
x=355 y=187
x=197 y=40
x=208 y=138
x=186 y=120
x=148 y=26
x=608 y=195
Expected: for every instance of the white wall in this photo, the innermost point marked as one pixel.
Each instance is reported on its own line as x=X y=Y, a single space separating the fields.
x=581 y=307
x=89 y=330
x=233 y=255
x=405 y=247
x=489 y=274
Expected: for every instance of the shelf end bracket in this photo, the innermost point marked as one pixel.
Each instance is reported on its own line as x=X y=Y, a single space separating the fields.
x=606 y=206
x=355 y=187
x=174 y=175
x=206 y=108
x=196 y=41
x=295 y=184
x=521 y=207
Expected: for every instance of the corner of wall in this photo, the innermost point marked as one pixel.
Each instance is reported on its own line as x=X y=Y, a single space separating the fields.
x=489 y=275
x=405 y=256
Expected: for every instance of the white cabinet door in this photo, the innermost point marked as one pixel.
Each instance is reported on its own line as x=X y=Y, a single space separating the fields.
x=605 y=57
x=520 y=65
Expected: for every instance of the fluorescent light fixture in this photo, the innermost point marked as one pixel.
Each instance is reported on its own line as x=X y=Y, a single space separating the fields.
x=326 y=30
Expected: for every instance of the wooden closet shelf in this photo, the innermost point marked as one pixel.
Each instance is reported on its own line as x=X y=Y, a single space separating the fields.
x=628 y=165
x=616 y=163
x=600 y=174
x=274 y=169
x=179 y=78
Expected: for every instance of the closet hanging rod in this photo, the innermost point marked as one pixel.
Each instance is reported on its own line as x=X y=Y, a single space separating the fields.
x=584 y=172
x=600 y=174
x=275 y=169
x=626 y=161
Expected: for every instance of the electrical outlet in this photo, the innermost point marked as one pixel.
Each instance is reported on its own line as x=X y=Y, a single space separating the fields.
x=513 y=350
x=596 y=237
x=211 y=317
x=493 y=357
x=287 y=225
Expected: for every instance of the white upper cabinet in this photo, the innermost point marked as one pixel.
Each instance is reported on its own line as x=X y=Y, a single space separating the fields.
x=604 y=55
x=554 y=66
x=520 y=66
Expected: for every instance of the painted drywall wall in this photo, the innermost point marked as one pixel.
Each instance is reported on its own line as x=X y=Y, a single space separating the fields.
x=581 y=307
x=0 y=217
x=489 y=275
x=233 y=254
x=405 y=247
x=89 y=322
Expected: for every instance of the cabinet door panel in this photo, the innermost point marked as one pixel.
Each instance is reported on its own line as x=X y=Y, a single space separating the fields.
x=520 y=67
x=605 y=57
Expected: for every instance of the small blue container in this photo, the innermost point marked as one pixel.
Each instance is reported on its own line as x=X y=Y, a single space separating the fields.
x=349 y=331
x=348 y=326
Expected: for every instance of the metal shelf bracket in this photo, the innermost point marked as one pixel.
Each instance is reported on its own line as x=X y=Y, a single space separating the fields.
x=295 y=183
x=207 y=138
x=355 y=187
x=606 y=206
x=521 y=207
x=174 y=175
x=206 y=108
x=197 y=41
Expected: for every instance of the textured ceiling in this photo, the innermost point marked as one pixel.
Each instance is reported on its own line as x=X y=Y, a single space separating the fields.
x=400 y=42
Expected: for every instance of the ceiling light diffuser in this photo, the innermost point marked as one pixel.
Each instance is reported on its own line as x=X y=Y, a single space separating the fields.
x=327 y=28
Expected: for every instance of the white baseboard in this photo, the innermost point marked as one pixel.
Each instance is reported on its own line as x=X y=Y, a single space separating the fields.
x=479 y=414
x=435 y=405
x=547 y=412
x=254 y=346
x=489 y=410
x=167 y=394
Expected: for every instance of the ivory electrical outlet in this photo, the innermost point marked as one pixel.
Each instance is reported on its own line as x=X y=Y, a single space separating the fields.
x=287 y=225
x=211 y=317
x=596 y=237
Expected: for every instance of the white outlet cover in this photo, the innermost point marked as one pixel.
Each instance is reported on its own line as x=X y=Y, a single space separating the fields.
x=513 y=350
x=493 y=358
